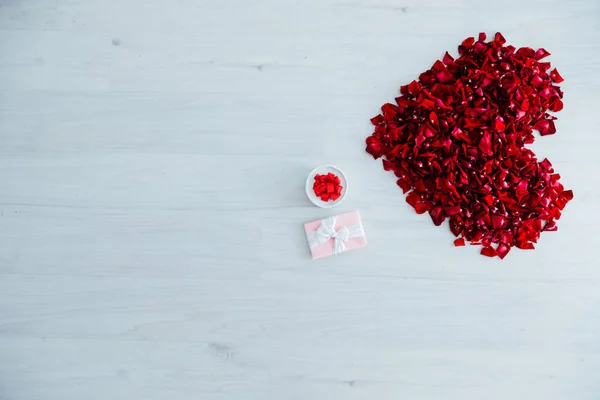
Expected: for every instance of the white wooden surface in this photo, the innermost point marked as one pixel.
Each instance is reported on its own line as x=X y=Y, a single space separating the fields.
x=153 y=157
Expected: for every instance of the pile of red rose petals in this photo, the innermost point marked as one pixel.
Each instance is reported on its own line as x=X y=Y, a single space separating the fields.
x=456 y=141
x=327 y=187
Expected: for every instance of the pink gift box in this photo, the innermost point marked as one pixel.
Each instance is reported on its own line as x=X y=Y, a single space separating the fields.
x=335 y=235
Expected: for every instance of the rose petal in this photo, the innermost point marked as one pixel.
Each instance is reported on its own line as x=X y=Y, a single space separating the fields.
x=545 y=127
x=377 y=120
x=550 y=226
x=452 y=210
x=556 y=104
x=404 y=185
x=525 y=246
x=448 y=59
x=498 y=222
x=556 y=76
x=441 y=72
x=414 y=88
x=564 y=198
x=388 y=165
x=485 y=144
x=457 y=137
x=541 y=53
x=374 y=147
x=499 y=124
x=502 y=250
x=546 y=165
x=489 y=251
x=412 y=198
x=422 y=208
x=437 y=215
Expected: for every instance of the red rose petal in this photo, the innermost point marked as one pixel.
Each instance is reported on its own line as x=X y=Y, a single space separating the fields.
x=452 y=210
x=556 y=104
x=374 y=147
x=550 y=226
x=545 y=127
x=388 y=165
x=404 y=185
x=377 y=120
x=437 y=215
x=414 y=88
x=413 y=198
x=498 y=222
x=489 y=252
x=564 y=198
x=441 y=72
x=485 y=144
x=502 y=250
x=327 y=186
x=556 y=76
x=525 y=246
x=448 y=59
x=541 y=53
x=456 y=141
x=422 y=208
x=499 y=124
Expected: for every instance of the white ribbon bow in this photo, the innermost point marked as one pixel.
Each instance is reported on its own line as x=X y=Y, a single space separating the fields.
x=327 y=231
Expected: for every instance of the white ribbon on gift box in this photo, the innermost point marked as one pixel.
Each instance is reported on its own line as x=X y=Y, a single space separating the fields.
x=326 y=231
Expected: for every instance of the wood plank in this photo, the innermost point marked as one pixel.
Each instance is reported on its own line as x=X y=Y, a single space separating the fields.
x=152 y=165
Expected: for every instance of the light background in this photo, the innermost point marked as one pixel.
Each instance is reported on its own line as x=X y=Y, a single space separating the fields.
x=152 y=163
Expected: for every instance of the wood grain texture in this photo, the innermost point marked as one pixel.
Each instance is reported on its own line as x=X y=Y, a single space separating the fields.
x=152 y=164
